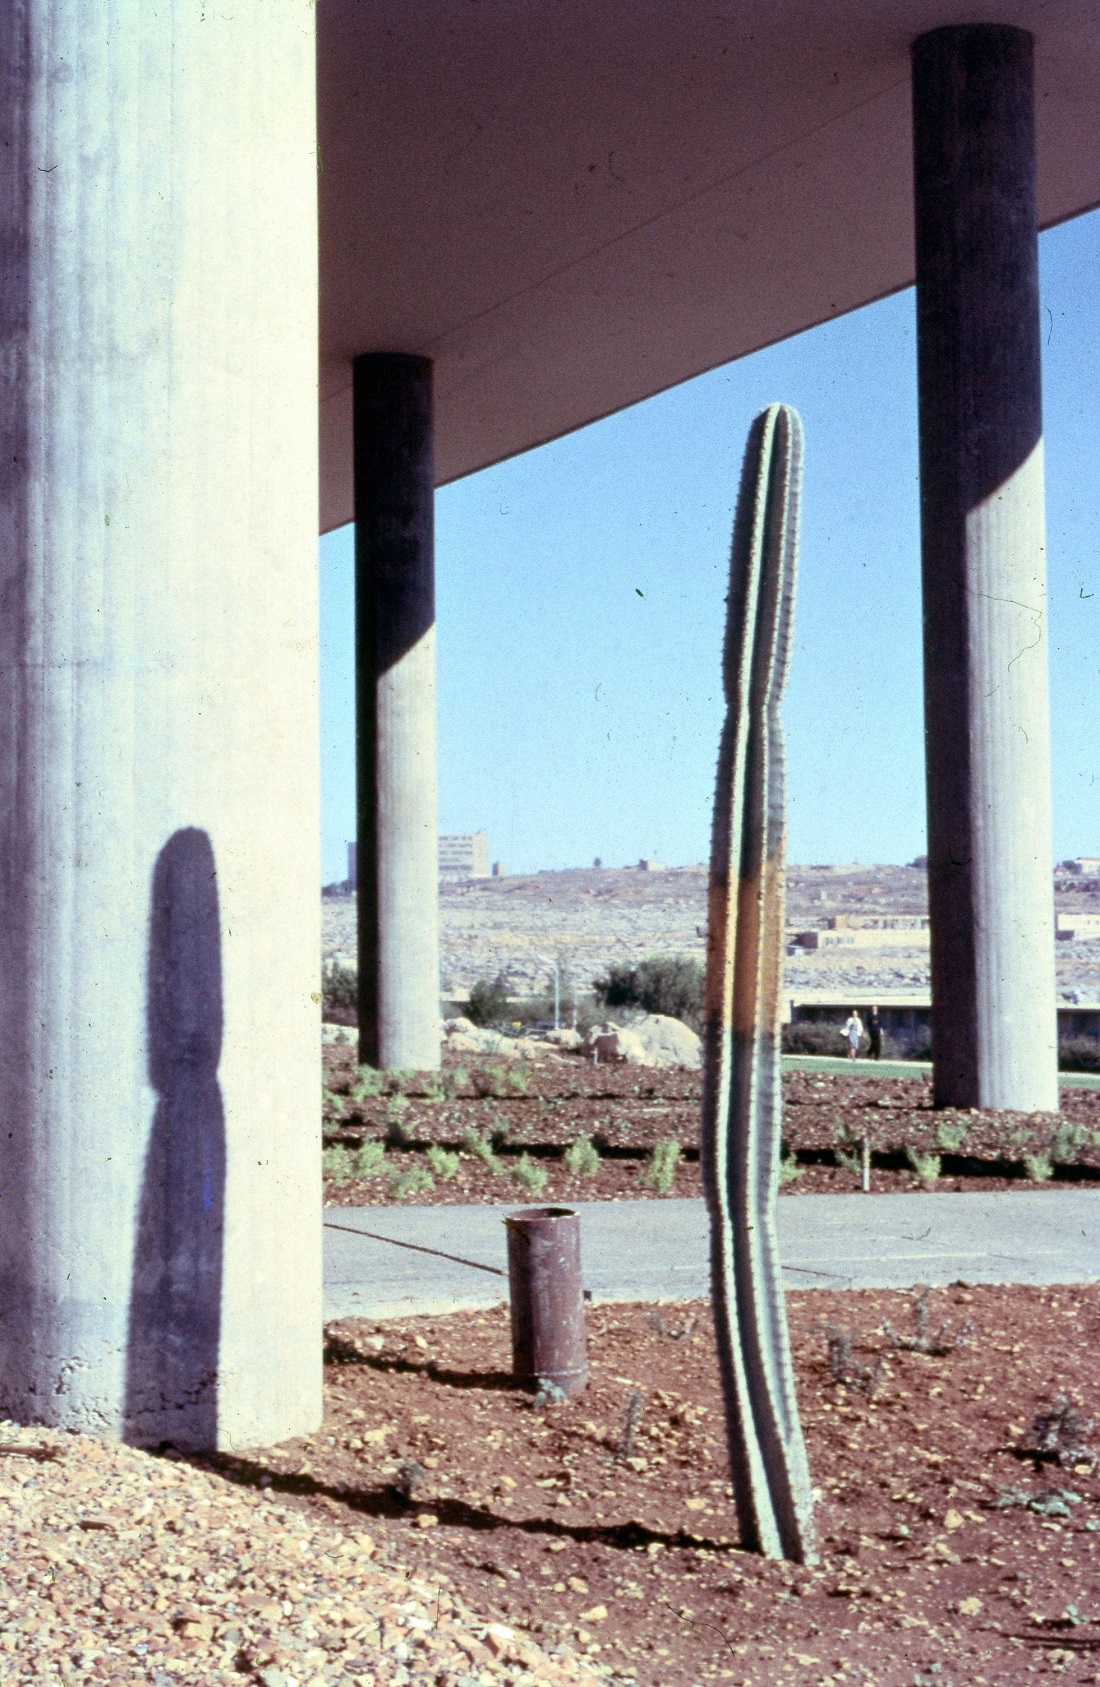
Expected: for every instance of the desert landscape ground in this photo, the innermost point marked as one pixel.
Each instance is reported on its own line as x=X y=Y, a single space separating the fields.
x=590 y=918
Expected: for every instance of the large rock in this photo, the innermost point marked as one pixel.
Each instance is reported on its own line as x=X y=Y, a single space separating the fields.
x=654 y=1039
x=667 y=1041
x=467 y=1038
x=565 y=1038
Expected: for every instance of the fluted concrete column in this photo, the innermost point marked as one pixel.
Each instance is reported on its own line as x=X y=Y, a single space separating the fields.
x=982 y=528
x=159 y=1037
x=395 y=712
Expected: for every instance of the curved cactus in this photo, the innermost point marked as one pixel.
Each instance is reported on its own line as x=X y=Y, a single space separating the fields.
x=741 y=1082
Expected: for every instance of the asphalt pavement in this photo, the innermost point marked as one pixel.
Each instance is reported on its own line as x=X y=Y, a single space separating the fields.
x=387 y=1261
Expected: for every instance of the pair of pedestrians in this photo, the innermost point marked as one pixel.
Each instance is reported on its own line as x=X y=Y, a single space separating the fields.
x=853 y=1032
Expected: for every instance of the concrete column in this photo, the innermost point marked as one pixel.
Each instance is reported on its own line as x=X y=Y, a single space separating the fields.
x=395 y=712
x=984 y=570
x=159 y=971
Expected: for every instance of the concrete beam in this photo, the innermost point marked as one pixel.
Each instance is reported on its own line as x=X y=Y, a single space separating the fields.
x=395 y=712
x=984 y=570
x=159 y=1035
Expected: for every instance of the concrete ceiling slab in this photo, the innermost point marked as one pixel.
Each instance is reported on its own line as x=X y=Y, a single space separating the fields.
x=570 y=207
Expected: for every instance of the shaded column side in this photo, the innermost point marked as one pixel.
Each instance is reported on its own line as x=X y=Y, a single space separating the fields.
x=395 y=712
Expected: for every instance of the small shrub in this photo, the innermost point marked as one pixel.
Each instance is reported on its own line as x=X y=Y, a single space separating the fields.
x=339 y=993
x=669 y=984
x=1038 y=1167
x=481 y=1148
x=368 y=1083
x=519 y=1078
x=1057 y=1436
x=926 y=1166
x=582 y=1158
x=660 y=1166
x=369 y=1157
x=1079 y=1054
x=789 y=1169
x=950 y=1137
x=1069 y=1139
x=491 y=1082
x=445 y=1165
x=332 y=1103
x=671 y=1332
x=810 y=1036
x=943 y=1342
x=849 y=1161
x=336 y=1164
x=631 y=1418
x=530 y=1175
x=488 y=1001
x=416 y=1181
x=454 y=1081
x=845 y=1368
x=1052 y=1502
x=396 y=1112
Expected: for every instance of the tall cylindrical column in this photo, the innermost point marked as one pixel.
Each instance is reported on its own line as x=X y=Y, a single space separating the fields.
x=159 y=1027
x=395 y=712
x=984 y=575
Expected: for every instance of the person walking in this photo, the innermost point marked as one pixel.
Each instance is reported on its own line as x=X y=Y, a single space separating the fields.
x=853 y=1031
x=874 y=1031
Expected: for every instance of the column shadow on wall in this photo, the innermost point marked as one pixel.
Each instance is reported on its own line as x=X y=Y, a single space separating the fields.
x=173 y=1339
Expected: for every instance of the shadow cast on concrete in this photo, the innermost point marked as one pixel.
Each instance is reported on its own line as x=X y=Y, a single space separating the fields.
x=175 y=1300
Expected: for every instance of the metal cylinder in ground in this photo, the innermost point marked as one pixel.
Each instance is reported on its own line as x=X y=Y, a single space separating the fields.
x=547 y=1293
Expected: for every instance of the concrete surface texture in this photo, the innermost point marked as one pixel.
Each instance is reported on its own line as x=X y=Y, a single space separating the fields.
x=387 y=1261
x=987 y=734
x=158 y=722
x=577 y=206
x=398 y=936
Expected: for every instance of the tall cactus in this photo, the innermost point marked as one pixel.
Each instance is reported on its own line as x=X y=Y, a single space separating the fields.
x=741 y=1082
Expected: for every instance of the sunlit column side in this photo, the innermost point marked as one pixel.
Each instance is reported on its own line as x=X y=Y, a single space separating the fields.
x=984 y=571
x=160 y=1272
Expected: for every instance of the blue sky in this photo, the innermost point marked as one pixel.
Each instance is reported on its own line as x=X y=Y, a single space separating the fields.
x=580 y=594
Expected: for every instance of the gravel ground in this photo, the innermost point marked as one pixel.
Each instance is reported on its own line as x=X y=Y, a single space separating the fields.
x=123 y=1567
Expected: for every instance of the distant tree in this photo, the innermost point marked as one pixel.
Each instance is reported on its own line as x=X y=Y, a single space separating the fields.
x=488 y=1002
x=671 y=984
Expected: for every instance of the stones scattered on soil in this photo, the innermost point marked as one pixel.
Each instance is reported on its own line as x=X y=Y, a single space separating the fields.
x=122 y=1567
x=517 y=1108
x=951 y=1554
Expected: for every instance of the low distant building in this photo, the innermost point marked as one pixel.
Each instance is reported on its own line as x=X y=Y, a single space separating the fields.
x=1069 y=928
x=649 y=864
x=1089 y=864
x=464 y=855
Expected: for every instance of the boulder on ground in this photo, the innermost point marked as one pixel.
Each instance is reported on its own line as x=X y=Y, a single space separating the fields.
x=615 y=1045
x=338 y=1033
x=565 y=1038
x=654 y=1039
x=478 y=1039
x=668 y=1042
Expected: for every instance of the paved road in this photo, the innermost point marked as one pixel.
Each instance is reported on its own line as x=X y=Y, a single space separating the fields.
x=381 y=1261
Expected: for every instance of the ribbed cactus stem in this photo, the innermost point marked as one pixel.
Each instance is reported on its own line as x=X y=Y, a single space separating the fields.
x=742 y=1104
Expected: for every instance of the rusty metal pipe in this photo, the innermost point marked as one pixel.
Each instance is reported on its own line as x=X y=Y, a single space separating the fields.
x=547 y=1294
